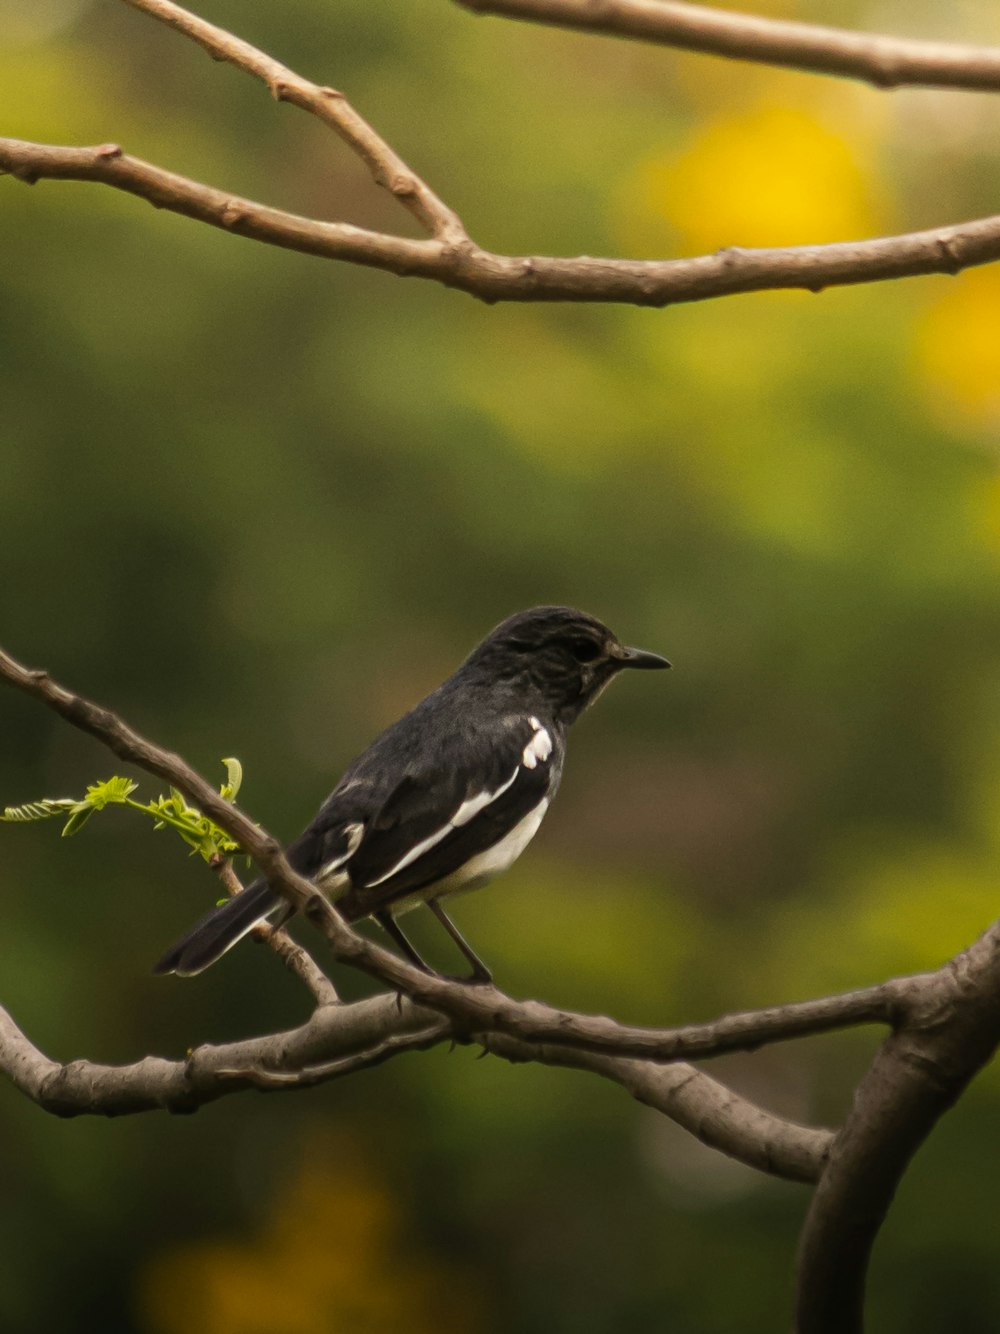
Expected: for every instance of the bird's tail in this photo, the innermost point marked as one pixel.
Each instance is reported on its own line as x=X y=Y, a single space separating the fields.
x=219 y=930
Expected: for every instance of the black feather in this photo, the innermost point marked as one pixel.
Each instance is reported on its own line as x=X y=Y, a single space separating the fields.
x=219 y=930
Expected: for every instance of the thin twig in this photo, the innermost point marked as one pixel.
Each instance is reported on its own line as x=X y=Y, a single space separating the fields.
x=331 y=107
x=224 y=869
x=297 y=959
x=886 y=62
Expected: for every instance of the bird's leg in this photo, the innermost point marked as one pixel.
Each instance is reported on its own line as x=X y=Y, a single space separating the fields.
x=391 y=927
x=480 y=975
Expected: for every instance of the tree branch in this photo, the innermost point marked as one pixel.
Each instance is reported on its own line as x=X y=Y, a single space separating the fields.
x=493 y=277
x=331 y=107
x=711 y=1112
x=341 y=1041
x=946 y=1025
x=453 y=259
x=335 y=1040
x=951 y=1030
x=886 y=62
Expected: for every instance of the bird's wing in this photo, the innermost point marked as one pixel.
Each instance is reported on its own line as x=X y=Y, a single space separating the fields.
x=439 y=814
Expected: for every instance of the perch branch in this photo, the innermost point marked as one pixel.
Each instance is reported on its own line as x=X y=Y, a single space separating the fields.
x=886 y=62
x=339 y=1041
x=336 y=1040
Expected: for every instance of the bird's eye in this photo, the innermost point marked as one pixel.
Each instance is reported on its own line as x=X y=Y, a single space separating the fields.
x=584 y=650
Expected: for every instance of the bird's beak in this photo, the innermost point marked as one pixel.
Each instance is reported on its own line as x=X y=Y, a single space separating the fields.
x=638 y=657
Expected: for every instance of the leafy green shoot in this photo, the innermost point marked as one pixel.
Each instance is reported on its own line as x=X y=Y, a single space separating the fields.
x=201 y=834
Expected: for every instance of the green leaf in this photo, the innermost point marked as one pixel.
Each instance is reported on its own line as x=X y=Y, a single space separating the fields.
x=78 y=819
x=37 y=810
x=234 y=778
x=113 y=791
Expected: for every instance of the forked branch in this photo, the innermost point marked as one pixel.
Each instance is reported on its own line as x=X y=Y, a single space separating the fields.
x=330 y=106
x=342 y=1040
x=493 y=277
x=449 y=255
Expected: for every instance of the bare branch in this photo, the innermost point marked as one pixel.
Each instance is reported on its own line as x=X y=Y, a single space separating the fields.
x=711 y=1112
x=386 y=166
x=338 y=1042
x=334 y=1041
x=493 y=277
x=886 y=62
x=951 y=1031
x=164 y=189
x=298 y=961
x=534 y=1022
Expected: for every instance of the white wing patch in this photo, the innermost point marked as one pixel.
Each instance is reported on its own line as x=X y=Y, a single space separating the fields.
x=474 y=805
x=539 y=748
x=466 y=812
x=354 y=833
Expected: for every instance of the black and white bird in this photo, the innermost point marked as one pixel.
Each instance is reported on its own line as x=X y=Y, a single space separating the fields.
x=450 y=795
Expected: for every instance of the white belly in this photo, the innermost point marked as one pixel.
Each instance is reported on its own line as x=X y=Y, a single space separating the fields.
x=481 y=869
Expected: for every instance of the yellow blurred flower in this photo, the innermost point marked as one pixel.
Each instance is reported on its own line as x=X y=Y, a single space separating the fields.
x=331 y=1260
x=957 y=347
x=773 y=175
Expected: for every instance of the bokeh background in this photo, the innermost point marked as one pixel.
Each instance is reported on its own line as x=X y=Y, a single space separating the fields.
x=261 y=503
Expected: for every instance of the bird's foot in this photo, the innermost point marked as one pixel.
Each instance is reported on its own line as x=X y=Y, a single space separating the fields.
x=479 y=977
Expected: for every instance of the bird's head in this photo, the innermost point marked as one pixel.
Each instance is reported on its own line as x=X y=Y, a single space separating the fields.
x=564 y=655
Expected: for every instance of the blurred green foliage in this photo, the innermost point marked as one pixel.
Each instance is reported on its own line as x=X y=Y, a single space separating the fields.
x=261 y=504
